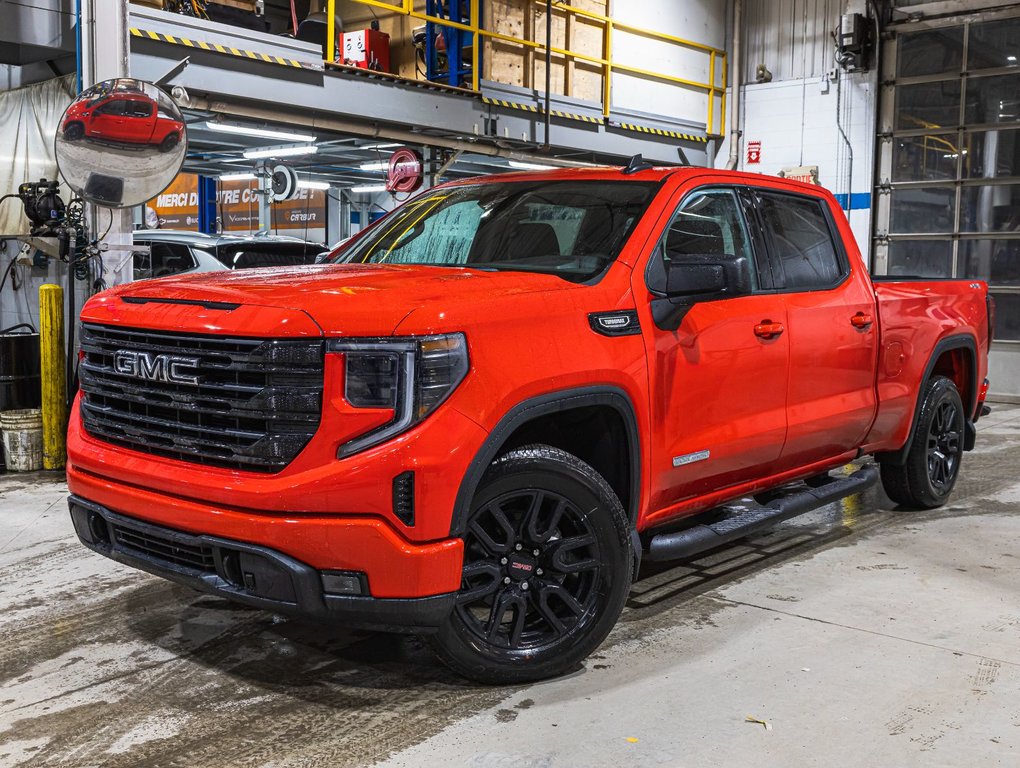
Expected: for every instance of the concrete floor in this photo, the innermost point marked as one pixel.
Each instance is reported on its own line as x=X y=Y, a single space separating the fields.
x=864 y=636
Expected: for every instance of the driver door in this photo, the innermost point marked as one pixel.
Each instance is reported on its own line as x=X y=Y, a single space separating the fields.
x=718 y=384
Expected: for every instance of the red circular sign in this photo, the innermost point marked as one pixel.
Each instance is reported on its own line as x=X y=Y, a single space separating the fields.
x=405 y=171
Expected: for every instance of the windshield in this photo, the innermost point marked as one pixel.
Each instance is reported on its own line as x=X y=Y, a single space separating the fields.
x=573 y=229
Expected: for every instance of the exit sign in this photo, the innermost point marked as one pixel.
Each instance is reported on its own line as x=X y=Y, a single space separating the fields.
x=753 y=152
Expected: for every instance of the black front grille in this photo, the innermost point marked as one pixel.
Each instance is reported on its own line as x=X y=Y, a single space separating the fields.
x=239 y=403
x=189 y=555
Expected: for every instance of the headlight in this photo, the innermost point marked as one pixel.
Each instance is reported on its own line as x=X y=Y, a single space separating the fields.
x=412 y=376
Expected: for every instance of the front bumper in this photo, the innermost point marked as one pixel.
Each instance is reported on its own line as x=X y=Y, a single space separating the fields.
x=252 y=574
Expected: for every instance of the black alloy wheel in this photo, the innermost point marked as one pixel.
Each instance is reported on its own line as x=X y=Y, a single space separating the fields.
x=547 y=567
x=74 y=132
x=944 y=439
x=927 y=477
x=169 y=142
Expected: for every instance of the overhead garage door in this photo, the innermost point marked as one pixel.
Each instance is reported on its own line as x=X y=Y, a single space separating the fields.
x=948 y=192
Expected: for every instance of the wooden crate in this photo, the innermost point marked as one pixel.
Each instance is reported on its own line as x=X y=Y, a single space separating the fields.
x=515 y=64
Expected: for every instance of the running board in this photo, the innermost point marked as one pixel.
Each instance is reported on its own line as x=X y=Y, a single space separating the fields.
x=744 y=519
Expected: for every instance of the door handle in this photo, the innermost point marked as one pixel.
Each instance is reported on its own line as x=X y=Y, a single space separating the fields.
x=861 y=320
x=766 y=329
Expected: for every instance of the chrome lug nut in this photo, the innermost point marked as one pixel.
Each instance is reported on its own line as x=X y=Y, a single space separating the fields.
x=506 y=579
x=534 y=552
x=524 y=585
x=518 y=547
x=503 y=561
x=538 y=571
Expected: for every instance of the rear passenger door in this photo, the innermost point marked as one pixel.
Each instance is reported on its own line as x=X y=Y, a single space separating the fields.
x=832 y=328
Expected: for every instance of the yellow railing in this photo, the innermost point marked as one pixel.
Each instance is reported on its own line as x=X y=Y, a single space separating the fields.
x=606 y=61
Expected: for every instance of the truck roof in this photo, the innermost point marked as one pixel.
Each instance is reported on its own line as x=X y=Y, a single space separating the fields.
x=615 y=173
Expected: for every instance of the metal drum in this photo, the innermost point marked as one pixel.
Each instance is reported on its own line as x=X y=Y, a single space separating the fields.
x=20 y=385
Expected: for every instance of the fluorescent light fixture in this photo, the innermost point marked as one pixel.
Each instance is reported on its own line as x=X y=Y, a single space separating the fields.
x=380 y=146
x=304 y=184
x=1011 y=59
x=375 y=166
x=529 y=166
x=237 y=176
x=255 y=154
x=369 y=188
x=262 y=133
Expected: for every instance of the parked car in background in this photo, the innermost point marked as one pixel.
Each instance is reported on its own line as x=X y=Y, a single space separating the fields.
x=268 y=251
x=175 y=252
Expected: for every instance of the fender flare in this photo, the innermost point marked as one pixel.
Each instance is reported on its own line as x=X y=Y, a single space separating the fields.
x=536 y=407
x=958 y=341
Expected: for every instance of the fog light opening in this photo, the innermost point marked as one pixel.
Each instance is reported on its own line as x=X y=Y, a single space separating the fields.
x=343 y=583
x=99 y=529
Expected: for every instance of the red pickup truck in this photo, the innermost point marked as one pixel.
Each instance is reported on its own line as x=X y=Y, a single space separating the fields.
x=130 y=118
x=494 y=402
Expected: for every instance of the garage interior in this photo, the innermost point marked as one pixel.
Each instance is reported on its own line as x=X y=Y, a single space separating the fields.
x=860 y=632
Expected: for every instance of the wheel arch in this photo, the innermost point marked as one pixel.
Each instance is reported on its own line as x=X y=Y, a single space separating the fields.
x=954 y=357
x=529 y=420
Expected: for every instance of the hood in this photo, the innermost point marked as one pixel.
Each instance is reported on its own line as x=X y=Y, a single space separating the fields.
x=341 y=299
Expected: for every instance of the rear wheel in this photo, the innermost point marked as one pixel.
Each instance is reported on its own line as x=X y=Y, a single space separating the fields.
x=169 y=142
x=929 y=474
x=547 y=568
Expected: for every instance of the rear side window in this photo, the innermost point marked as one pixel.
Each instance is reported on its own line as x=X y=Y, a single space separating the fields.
x=802 y=242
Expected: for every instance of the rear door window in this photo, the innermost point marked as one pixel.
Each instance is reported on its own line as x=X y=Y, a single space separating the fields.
x=802 y=242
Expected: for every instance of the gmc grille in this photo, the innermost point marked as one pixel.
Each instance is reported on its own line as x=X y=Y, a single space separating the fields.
x=249 y=404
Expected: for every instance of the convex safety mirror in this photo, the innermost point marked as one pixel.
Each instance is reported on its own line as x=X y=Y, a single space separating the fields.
x=121 y=142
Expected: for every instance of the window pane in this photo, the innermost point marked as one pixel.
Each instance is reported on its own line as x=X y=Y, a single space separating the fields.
x=993 y=99
x=571 y=229
x=921 y=258
x=445 y=235
x=992 y=153
x=922 y=209
x=920 y=158
x=996 y=261
x=990 y=208
x=801 y=241
x=993 y=44
x=928 y=105
x=1007 y=316
x=710 y=223
x=930 y=52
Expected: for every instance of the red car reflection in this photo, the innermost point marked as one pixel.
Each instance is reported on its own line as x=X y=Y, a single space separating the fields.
x=130 y=118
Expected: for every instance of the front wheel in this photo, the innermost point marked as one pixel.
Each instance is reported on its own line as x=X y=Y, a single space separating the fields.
x=74 y=132
x=929 y=474
x=547 y=568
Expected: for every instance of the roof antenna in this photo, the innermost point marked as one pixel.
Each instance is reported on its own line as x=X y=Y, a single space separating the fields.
x=637 y=163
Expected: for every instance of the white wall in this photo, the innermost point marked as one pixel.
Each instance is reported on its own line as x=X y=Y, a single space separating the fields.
x=22 y=305
x=795 y=121
x=701 y=21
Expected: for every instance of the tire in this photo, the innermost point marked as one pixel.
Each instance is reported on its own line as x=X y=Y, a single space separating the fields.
x=926 y=479
x=169 y=142
x=74 y=132
x=547 y=568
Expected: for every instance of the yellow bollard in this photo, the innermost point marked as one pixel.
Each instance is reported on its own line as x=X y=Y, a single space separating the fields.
x=54 y=375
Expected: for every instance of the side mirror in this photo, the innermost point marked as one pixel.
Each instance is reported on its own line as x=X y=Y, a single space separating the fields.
x=689 y=278
x=121 y=142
